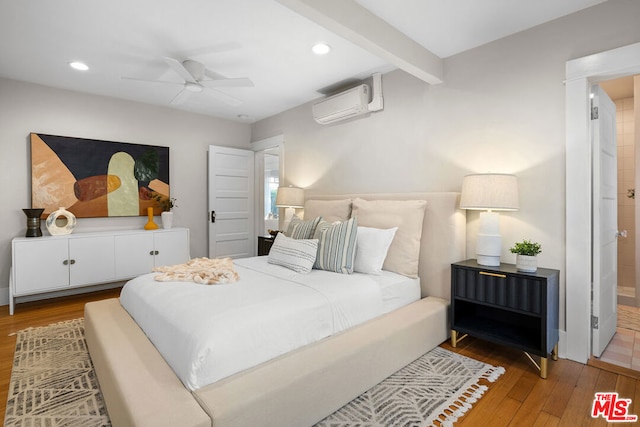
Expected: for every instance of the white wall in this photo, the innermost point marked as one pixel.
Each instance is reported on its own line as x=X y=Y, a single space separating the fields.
x=500 y=109
x=26 y=108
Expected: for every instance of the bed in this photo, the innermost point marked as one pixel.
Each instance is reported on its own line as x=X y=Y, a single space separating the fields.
x=301 y=386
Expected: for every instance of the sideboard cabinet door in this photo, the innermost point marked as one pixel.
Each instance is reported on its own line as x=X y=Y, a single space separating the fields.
x=134 y=254
x=39 y=265
x=93 y=260
x=171 y=247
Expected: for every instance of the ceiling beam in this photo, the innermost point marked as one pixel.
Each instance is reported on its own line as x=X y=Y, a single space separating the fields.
x=357 y=24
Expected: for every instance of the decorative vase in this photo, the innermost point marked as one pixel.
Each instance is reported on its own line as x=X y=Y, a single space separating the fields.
x=527 y=263
x=150 y=225
x=60 y=222
x=167 y=219
x=33 y=222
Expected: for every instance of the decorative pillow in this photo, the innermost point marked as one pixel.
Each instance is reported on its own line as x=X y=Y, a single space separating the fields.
x=295 y=254
x=371 y=249
x=336 y=246
x=299 y=229
x=407 y=215
x=329 y=210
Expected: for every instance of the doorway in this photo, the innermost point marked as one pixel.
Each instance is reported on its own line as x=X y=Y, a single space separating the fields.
x=624 y=348
x=581 y=73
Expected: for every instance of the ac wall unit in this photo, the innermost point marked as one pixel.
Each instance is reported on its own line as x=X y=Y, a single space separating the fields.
x=344 y=105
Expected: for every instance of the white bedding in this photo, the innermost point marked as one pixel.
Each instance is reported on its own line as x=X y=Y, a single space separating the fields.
x=208 y=332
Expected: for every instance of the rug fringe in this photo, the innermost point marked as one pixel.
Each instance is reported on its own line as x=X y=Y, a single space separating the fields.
x=463 y=402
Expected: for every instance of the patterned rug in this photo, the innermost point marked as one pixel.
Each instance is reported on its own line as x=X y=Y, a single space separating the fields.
x=52 y=380
x=434 y=390
x=53 y=384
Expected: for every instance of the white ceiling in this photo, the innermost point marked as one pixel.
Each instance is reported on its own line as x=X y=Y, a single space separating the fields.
x=264 y=40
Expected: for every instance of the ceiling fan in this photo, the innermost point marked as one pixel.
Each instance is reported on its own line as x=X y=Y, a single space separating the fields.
x=198 y=79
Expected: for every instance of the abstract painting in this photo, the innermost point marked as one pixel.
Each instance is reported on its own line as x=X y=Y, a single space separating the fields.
x=94 y=178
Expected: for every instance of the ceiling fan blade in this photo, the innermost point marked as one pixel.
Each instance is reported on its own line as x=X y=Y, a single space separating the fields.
x=181 y=97
x=227 y=99
x=218 y=80
x=235 y=82
x=180 y=69
x=151 y=81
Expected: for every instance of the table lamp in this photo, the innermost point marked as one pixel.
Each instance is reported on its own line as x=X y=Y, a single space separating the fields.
x=489 y=192
x=289 y=198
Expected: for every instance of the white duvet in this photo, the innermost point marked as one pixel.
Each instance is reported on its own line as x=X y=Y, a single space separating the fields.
x=208 y=332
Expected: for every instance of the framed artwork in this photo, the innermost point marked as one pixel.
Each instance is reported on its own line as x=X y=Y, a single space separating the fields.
x=93 y=178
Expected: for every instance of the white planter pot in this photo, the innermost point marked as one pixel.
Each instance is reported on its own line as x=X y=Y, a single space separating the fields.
x=527 y=263
x=167 y=219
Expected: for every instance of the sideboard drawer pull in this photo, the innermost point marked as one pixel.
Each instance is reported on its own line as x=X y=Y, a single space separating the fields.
x=486 y=273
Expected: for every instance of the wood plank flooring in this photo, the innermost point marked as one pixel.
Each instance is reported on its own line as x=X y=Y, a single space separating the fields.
x=518 y=398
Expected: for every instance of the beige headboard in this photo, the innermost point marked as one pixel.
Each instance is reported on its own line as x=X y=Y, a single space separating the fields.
x=443 y=235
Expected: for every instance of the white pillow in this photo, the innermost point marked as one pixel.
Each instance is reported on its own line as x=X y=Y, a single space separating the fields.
x=295 y=254
x=371 y=249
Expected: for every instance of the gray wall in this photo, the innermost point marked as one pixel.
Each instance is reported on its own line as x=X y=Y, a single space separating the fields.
x=500 y=109
x=26 y=108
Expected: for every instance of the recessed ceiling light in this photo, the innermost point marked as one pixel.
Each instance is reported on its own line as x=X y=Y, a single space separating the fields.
x=321 y=48
x=77 y=65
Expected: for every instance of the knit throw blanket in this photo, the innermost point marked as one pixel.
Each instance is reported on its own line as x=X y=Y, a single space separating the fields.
x=199 y=270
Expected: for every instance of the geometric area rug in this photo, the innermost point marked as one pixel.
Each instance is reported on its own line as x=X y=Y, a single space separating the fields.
x=52 y=379
x=434 y=390
x=53 y=384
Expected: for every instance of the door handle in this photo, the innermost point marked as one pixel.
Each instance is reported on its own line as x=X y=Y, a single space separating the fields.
x=622 y=233
x=213 y=217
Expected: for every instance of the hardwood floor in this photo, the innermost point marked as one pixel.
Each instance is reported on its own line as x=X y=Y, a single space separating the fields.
x=518 y=398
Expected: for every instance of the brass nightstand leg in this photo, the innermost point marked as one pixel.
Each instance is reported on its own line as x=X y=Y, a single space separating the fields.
x=543 y=367
x=554 y=352
x=454 y=338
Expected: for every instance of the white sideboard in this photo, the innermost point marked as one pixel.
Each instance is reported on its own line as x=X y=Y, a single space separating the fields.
x=57 y=263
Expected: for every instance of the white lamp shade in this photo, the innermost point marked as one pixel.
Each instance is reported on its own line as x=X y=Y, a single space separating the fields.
x=290 y=197
x=490 y=192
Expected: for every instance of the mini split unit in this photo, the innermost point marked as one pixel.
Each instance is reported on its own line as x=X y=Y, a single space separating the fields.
x=350 y=103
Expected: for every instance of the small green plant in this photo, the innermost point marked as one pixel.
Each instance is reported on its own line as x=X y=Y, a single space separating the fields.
x=166 y=203
x=526 y=247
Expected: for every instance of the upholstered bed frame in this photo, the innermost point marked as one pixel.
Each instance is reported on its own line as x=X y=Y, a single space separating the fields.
x=296 y=389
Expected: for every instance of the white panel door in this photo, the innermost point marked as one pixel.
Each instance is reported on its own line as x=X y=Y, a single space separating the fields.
x=605 y=220
x=231 y=203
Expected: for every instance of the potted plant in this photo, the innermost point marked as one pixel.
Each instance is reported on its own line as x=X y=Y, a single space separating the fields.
x=166 y=203
x=526 y=255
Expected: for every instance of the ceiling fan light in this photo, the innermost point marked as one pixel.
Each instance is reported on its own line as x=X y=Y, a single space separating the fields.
x=321 y=48
x=77 y=65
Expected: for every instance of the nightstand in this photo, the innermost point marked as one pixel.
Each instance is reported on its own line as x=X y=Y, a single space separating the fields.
x=507 y=307
x=264 y=244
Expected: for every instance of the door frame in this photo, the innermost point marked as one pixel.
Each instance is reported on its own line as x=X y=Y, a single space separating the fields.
x=581 y=73
x=259 y=147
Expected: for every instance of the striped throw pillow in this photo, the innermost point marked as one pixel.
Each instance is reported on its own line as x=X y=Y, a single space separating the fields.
x=304 y=229
x=336 y=246
x=295 y=254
